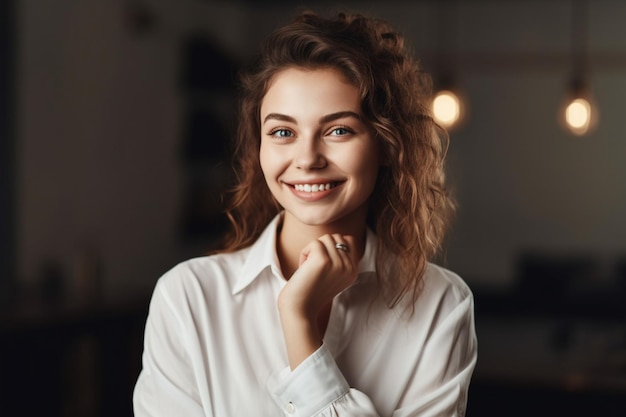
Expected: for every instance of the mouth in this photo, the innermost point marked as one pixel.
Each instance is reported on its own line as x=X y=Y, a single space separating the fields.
x=314 y=188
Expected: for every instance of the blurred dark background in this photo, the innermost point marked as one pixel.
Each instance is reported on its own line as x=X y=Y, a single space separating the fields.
x=114 y=127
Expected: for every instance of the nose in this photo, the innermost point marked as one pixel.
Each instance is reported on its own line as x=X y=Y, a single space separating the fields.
x=309 y=153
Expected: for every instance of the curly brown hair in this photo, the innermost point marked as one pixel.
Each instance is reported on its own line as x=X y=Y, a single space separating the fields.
x=411 y=207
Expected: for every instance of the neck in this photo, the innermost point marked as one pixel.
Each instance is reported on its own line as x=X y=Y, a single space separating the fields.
x=293 y=236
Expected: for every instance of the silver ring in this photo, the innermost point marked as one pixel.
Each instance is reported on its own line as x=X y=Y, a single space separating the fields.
x=342 y=246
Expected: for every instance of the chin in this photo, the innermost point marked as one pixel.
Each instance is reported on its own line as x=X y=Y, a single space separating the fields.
x=314 y=220
x=316 y=217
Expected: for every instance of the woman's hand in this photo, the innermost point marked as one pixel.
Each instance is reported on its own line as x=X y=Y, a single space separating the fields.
x=325 y=270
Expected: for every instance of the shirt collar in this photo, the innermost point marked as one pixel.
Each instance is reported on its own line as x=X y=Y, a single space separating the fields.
x=262 y=254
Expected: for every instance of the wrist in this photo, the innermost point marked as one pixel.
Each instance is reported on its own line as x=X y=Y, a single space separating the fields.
x=302 y=336
x=295 y=317
x=288 y=307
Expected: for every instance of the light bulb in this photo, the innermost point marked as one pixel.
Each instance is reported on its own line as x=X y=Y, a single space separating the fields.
x=578 y=116
x=579 y=113
x=446 y=108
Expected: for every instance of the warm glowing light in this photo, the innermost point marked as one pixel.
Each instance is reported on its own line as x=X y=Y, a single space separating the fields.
x=446 y=108
x=578 y=116
x=578 y=113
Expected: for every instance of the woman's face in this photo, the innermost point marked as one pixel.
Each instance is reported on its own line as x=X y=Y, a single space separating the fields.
x=319 y=158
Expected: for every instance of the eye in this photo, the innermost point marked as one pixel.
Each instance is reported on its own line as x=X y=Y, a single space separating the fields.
x=281 y=133
x=340 y=131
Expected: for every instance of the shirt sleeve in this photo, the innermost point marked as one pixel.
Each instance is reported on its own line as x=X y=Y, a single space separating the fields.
x=166 y=386
x=442 y=377
x=317 y=388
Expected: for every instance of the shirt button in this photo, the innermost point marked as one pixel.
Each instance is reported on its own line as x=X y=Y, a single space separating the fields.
x=291 y=408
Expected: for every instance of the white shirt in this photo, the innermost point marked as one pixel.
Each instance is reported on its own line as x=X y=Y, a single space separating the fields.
x=214 y=345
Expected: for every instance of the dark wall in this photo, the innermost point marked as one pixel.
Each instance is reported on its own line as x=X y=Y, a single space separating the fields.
x=7 y=151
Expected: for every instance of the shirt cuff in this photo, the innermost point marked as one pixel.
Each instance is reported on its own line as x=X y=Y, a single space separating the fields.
x=312 y=386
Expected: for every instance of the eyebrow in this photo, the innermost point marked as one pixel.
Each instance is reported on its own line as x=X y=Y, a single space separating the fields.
x=324 y=119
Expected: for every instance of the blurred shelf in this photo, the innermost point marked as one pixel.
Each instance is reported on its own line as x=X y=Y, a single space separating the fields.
x=603 y=305
x=76 y=359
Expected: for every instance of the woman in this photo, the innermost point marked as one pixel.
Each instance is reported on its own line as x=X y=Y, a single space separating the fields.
x=324 y=300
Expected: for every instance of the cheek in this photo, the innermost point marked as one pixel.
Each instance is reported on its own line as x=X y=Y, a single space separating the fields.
x=365 y=162
x=270 y=166
x=368 y=171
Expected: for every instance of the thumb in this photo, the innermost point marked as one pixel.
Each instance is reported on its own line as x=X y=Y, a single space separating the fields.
x=304 y=255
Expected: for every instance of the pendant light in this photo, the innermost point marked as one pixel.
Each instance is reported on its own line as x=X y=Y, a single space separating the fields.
x=448 y=103
x=579 y=112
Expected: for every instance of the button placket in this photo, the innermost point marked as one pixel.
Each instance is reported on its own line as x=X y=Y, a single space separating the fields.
x=290 y=408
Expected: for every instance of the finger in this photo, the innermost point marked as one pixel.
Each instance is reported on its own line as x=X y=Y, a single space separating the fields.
x=344 y=250
x=341 y=245
x=351 y=242
x=310 y=248
x=348 y=256
x=329 y=244
x=304 y=255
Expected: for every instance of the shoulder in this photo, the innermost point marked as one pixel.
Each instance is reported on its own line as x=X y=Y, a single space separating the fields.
x=440 y=279
x=196 y=279
x=443 y=293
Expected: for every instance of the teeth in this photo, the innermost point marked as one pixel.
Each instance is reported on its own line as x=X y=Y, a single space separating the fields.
x=312 y=188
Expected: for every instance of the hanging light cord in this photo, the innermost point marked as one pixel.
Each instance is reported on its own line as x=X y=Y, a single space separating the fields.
x=579 y=38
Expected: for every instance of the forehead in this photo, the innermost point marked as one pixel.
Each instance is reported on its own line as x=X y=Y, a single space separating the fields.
x=300 y=89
